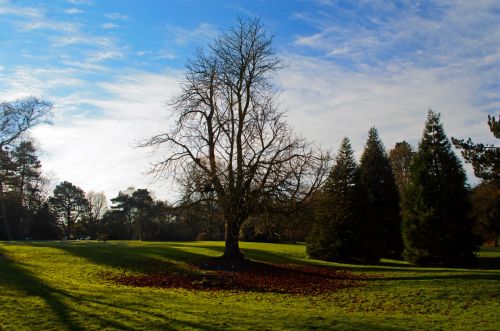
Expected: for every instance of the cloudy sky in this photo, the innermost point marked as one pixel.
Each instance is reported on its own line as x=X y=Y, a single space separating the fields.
x=110 y=66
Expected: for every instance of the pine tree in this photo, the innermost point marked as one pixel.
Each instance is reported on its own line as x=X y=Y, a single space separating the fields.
x=485 y=158
x=383 y=198
x=339 y=233
x=436 y=227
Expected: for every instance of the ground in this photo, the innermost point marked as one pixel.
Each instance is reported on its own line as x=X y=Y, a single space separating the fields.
x=89 y=285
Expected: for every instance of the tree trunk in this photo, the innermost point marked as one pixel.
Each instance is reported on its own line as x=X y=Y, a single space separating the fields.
x=4 y=214
x=232 y=247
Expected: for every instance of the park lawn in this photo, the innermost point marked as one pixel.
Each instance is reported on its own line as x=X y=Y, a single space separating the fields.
x=60 y=285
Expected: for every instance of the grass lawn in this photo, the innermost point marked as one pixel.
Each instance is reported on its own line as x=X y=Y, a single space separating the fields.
x=60 y=285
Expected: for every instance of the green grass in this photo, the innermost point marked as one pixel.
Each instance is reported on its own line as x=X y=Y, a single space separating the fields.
x=57 y=285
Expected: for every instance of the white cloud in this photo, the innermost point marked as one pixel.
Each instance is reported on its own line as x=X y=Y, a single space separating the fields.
x=109 y=26
x=99 y=153
x=80 y=2
x=73 y=11
x=100 y=56
x=117 y=16
x=28 y=12
x=202 y=33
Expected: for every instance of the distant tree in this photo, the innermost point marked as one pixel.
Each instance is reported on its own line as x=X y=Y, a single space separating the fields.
x=114 y=226
x=137 y=206
x=485 y=159
x=401 y=157
x=69 y=204
x=383 y=198
x=7 y=181
x=16 y=118
x=44 y=224
x=229 y=127
x=123 y=204
x=28 y=176
x=97 y=207
x=142 y=204
x=437 y=229
x=486 y=210
x=340 y=232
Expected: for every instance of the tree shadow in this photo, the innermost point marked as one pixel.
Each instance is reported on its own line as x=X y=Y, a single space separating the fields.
x=122 y=256
x=14 y=276
x=24 y=281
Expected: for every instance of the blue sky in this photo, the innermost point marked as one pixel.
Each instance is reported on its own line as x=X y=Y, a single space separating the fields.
x=110 y=66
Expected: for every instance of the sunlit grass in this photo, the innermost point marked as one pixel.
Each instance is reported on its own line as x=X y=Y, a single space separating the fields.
x=57 y=285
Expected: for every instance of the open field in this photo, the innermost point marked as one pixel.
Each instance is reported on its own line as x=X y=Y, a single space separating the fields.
x=69 y=285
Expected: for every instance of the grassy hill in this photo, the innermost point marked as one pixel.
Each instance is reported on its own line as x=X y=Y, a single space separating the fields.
x=163 y=285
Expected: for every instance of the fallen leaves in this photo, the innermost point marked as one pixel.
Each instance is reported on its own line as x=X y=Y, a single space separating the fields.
x=217 y=275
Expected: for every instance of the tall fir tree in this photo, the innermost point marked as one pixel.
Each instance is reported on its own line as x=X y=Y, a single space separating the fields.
x=437 y=229
x=340 y=233
x=383 y=198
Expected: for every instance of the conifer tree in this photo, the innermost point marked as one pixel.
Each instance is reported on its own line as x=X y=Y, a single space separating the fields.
x=383 y=198
x=339 y=233
x=436 y=227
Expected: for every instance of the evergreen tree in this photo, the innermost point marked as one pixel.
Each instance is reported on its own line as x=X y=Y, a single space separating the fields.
x=383 y=198
x=485 y=159
x=340 y=233
x=436 y=227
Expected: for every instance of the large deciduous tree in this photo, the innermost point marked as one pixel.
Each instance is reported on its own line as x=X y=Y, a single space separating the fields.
x=229 y=127
x=383 y=197
x=437 y=229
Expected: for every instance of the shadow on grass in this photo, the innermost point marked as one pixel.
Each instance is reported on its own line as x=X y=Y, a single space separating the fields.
x=128 y=257
x=14 y=276
x=152 y=257
x=24 y=281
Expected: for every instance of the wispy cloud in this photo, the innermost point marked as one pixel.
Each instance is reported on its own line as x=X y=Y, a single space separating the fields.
x=109 y=26
x=73 y=11
x=80 y=2
x=183 y=36
x=117 y=16
x=327 y=102
x=134 y=110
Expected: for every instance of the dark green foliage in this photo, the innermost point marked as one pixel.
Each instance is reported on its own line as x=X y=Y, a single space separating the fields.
x=44 y=225
x=69 y=204
x=383 y=198
x=340 y=231
x=436 y=228
x=401 y=157
x=486 y=210
x=485 y=159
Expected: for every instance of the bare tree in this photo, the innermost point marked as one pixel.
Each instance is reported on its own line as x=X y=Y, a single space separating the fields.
x=229 y=127
x=97 y=207
x=19 y=116
x=16 y=118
